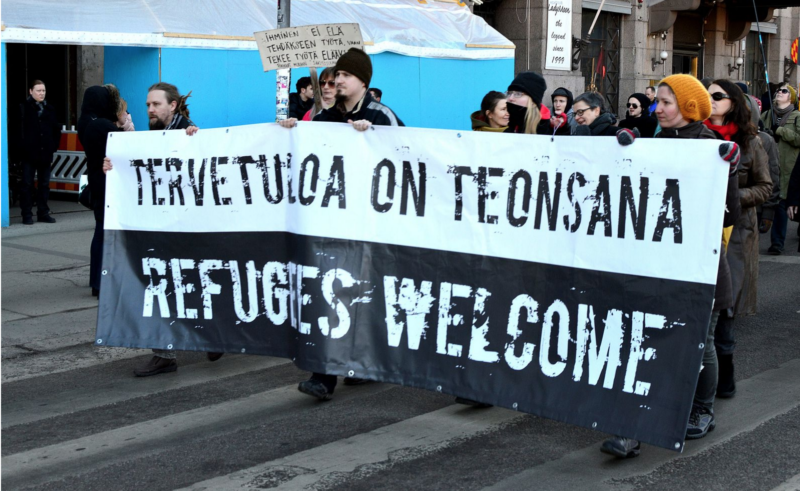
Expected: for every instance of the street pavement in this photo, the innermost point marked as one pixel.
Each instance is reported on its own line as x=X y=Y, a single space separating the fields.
x=75 y=418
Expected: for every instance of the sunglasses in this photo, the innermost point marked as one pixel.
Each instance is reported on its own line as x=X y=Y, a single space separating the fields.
x=782 y=91
x=634 y=106
x=329 y=83
x=718 y=96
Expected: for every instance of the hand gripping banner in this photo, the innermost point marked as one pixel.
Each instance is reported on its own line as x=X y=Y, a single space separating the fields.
x=569 y=278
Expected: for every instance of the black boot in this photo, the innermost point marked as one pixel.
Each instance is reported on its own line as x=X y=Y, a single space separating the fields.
x=726 y=386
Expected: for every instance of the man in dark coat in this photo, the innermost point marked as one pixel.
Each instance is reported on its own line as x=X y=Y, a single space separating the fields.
x=354 y=105
x=302 y=100
x=41 y=133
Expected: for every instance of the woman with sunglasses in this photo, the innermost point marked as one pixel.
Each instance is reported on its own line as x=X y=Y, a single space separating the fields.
x=682 y=105
x=493 y=116
x=785 y=126
x=327 y=85
x=637 y=116
x=730 y=118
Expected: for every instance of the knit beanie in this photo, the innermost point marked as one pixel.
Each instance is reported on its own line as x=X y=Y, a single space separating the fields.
x=530 y=83
x=792 y=95
x=693 y=99
x=355 y=62
x=644 y=102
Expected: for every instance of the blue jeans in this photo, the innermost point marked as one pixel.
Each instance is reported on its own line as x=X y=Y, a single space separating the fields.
x=779 y=225
x=707 y=380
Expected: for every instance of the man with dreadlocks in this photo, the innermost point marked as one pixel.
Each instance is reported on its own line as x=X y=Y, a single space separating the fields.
x=167 y=109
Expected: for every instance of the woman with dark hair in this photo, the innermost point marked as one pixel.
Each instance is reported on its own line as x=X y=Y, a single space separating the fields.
x=683 y=103
x=326 y=95
x=636 y=116
x=99 y=111
x=592 y=117
x=730 y=119
x=525 y=104
x=493 y=115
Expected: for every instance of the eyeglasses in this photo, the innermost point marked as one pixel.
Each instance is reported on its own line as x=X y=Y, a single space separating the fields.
x=579 y=112
x=515 y=94
x=329 y=83
x=634 y=106
x=718 y=96
x=782 y=91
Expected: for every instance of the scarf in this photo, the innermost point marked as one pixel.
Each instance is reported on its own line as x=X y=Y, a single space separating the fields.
x=780 y=114
x=727 y=131
x=516 y=118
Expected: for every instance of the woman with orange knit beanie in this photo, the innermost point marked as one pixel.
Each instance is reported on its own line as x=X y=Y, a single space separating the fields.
x=683 y=105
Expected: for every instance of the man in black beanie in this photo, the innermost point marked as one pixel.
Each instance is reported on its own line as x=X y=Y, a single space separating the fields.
x=354 y=105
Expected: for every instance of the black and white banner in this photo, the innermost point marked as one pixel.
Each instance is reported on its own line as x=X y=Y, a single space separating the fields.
x=570 y=278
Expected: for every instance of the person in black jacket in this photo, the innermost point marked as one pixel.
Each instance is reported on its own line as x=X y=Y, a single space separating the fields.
x=592 y=117
x=302 y=101
x=354 y=105
x=41 y=133
x=637 y=117
x=98 y=118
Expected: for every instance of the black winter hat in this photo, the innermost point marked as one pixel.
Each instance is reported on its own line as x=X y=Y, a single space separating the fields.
x=530 y=83
x=644 y=102
x=357 y=63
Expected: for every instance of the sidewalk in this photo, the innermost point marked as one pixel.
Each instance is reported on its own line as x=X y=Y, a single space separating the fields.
x=47 y=303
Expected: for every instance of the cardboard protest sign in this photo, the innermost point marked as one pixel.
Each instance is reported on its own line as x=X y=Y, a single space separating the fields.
x=306 y=46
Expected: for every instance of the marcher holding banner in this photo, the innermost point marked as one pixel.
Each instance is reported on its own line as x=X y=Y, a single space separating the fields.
x=524 y=104
x=683 y=105
x=730 y=119
x=354 y=105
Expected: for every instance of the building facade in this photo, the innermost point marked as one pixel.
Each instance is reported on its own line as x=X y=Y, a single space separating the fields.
x=632 y=46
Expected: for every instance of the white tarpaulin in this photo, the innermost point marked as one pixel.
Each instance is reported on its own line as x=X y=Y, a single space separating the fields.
x=432 y=30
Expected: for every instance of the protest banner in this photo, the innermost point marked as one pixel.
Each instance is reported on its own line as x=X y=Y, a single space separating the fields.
x=306 y=46
x=570 y=278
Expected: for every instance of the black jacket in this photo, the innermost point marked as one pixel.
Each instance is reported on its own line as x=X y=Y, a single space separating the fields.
x=369 y=109
x=96 y=122
x=646 y=124
x=723 y=295
x=602 y=126
x=298 y=108
x=40 y=134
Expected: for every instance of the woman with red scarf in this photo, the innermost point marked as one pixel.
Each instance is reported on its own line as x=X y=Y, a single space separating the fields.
x=730 y=119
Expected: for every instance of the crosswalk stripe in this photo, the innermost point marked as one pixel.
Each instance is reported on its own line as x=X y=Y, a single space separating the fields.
x=414 y=437
x=113 y=390
x=735 y=416
x=96 y=451
x=792 y=484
